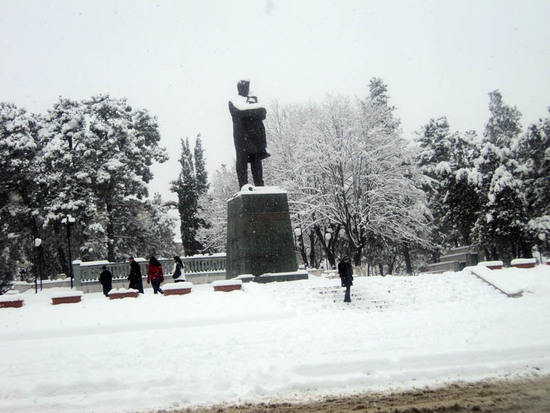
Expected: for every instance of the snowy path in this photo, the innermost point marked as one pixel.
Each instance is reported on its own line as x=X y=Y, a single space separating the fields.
x=291 y=340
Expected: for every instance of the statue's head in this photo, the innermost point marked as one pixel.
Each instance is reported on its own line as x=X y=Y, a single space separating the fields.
x=243 y=87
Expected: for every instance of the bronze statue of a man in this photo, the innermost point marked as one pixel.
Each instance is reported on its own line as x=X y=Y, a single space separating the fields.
x=248 y=134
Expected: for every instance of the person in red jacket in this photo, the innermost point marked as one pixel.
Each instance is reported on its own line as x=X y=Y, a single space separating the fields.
x=155 y=275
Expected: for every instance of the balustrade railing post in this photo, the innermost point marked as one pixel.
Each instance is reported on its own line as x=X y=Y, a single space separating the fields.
x=77 y=274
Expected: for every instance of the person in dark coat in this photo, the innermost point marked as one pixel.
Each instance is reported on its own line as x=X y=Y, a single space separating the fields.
x=248 y=134
x=155 y=276
x=106 y=280
x=346 y=276
x=136 y=282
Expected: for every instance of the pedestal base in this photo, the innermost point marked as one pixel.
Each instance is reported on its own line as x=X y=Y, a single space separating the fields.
x=278 y=277
x=259 y=233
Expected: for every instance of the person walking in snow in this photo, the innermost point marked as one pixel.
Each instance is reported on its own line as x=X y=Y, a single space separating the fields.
x=136 y=282
x=155 y=275
x=178 y=272
x=346 y=276
x=106 y=280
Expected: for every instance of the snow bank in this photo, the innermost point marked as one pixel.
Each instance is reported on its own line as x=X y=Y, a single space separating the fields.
x=519 y=261
x=491 y=263
x=249 y=189
x=10 y=297
x=286 y=340
x=65 y=294
x=226 y=283
x=177 y=286
x=122 y=290
x=495 y=279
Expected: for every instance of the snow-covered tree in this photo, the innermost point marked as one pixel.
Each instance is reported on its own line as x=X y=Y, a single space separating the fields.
x=446 y=161
x=213 y=209
x=502 y=226
x=347 y=166
x=533 y=156
x=97 y=158
x=190 y=185
x=150 y=228
x=19 y=220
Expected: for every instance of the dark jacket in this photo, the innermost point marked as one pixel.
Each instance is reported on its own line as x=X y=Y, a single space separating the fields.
x=248 y=130
x=177 y=270
x=135 y=277
x=135 y=272
x=106 y=278
x=346 y=273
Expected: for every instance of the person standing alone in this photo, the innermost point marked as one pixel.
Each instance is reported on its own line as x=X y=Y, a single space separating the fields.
x=346 y=276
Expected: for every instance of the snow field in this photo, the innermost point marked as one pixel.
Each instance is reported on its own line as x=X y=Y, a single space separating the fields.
x=293 y=340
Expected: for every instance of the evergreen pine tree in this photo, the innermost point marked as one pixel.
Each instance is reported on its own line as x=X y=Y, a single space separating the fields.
x=533 y=154
x=445 y=159
x=97 y=157
x=20 y=220
x=191 y=184
x=502 y=225
x=200 y=167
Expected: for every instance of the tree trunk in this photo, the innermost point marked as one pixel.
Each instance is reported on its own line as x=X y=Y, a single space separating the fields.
x=391 y=265
x=312 y=262
x=328 y=246
x=110 y=233
x=407 y=256
x=357 y=257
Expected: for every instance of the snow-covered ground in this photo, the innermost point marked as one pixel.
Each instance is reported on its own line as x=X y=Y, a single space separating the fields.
x=295 y=340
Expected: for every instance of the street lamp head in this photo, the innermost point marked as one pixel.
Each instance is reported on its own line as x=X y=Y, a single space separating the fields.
x=37 y=242
x=298 y=232
x=69 y=219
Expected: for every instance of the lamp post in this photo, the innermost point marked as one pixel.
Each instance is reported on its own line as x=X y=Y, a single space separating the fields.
x=36 y=243
x=299 y=236
x=68 y=221
x=297 y=233
x=328 y=236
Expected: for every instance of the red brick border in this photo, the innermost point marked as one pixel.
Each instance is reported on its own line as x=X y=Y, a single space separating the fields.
x=66 y=300
x=524 y=265
x=227 y=288
x=115 y=295
x=492 y=265
x=177 y=291
x=17 y=303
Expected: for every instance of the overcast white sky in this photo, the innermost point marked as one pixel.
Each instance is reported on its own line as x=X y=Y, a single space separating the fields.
x=182 y=59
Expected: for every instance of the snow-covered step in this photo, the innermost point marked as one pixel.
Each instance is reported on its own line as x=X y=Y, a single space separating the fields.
x=491 y=277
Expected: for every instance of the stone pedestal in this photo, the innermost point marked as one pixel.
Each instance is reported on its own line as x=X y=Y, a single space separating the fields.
x=259 y=233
